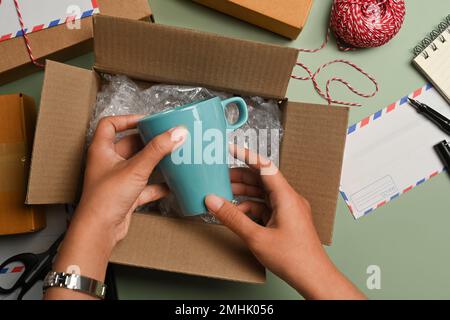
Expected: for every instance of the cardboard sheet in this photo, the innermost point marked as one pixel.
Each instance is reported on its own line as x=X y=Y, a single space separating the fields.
x=51 y=13
x=58 y=150
x=311 y=158
x=391 y=152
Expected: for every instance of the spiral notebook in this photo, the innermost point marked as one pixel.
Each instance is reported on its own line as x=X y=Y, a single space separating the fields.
x=433 y=57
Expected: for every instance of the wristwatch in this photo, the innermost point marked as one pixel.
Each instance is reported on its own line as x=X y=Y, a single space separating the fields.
x=75 y=282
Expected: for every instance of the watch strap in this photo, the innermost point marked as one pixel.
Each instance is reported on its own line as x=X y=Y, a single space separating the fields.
x=75 y=282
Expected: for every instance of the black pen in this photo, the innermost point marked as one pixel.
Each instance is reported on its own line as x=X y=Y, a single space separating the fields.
x=442 y=122
x=443 y=150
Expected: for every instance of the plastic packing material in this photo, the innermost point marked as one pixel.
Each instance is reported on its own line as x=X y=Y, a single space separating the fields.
x=121 y=96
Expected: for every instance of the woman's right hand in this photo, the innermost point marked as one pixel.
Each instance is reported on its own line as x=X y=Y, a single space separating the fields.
x=287 y=242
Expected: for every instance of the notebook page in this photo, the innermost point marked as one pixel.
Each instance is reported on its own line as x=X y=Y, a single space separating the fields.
x=434 y=62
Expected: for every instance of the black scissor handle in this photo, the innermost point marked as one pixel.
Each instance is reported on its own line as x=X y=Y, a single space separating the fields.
x=29 y=261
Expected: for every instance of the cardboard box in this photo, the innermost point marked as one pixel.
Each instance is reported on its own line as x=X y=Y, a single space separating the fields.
x=61 y=43
x=18 y=120
x=311 y=157
x=285 y=17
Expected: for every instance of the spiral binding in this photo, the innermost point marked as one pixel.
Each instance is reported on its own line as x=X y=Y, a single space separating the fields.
x=436 y=34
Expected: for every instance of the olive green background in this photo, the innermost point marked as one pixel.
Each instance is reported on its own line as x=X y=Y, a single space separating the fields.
x=408 y=238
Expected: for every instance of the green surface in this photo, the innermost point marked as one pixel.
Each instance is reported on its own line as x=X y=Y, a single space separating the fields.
x=407 y=238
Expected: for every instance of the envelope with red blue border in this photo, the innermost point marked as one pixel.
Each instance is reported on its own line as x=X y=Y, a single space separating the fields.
x=391 y=152
x=37 y=15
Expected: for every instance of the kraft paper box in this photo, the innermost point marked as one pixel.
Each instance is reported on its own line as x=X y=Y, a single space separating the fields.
x=285 y=17
x=60 y=42
x=18 y=120
x=160 y=54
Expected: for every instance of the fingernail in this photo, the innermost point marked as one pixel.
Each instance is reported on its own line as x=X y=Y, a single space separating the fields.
x=214 y=202
x=178 y=135
x=264 y=161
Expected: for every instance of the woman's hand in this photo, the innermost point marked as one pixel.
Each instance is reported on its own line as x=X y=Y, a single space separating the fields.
x=116 y=177
x=115 y=184
x=287 y=244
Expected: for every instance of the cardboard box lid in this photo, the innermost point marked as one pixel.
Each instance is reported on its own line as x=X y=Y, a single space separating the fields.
x=60 y=42
x=158 y=53
x=285 y=17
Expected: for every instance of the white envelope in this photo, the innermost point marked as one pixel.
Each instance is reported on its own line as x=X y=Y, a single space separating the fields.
x=41 y=14
x=391 y=152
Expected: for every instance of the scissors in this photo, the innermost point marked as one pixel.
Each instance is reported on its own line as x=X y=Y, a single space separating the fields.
x=36 y=267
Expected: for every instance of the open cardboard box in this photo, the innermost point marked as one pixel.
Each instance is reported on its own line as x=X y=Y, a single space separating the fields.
x=311 y=153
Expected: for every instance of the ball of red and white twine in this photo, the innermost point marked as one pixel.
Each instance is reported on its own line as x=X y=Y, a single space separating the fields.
x=357 y=24
x=367 y=23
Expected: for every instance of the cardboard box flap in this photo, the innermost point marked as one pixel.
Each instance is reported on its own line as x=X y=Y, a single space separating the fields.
x=163 y=243
x=60 y=133
x=311 y=158
x=158 y=53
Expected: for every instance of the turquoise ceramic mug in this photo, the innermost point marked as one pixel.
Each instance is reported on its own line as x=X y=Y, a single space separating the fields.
x=199 y=167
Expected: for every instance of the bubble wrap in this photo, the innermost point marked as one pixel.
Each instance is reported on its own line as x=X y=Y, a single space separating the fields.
x=121 y=96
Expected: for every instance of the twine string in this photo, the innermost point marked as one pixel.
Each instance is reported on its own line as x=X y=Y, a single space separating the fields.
x=25 y=36
x=327 y=94
x=387 y=15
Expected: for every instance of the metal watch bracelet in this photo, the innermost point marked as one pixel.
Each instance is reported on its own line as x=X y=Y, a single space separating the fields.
x=75 y=282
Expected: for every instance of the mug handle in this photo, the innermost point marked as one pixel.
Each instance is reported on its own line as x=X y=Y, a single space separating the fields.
x=243 y=112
